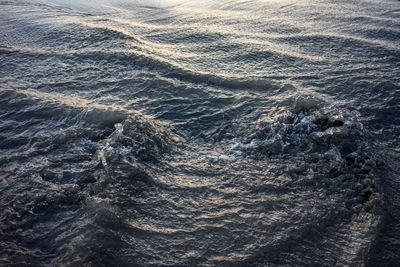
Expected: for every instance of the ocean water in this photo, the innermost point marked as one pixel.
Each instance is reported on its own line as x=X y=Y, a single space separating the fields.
x=200 y=133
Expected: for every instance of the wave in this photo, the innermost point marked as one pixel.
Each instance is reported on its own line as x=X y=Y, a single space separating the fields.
x=333 y=143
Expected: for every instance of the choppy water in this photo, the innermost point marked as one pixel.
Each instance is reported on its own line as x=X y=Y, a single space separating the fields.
x=180 y=133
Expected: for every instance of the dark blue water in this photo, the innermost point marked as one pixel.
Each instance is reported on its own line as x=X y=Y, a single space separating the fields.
x=179 y=133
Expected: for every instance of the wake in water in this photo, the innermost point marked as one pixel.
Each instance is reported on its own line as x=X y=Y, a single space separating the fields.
x=168 y=133
x=121 y=180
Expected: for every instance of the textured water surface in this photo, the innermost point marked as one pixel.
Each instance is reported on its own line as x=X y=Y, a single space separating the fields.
x=179 y=133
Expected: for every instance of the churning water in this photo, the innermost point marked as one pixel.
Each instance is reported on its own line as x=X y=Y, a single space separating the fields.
x=205 y=133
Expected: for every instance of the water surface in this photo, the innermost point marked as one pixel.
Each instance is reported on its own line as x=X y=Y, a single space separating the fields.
x=178 y=133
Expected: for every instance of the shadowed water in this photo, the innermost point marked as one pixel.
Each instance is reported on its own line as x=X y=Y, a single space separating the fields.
x=220 y=133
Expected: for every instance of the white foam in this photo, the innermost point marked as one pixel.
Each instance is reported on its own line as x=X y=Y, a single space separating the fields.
x=101 y=158
x=119 y=127
x=224 y=158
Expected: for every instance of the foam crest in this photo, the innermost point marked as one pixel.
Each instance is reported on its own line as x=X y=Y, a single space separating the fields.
x=135 y=139
x=306 y=127
x=332 y=143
